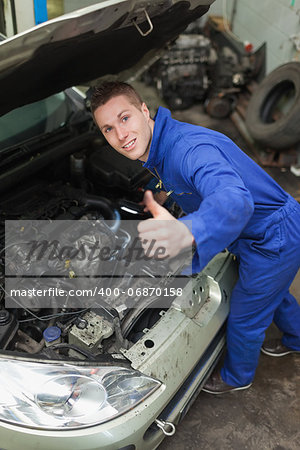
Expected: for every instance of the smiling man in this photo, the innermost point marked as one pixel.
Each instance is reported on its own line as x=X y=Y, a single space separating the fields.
x=126 y=124
x=231 y=203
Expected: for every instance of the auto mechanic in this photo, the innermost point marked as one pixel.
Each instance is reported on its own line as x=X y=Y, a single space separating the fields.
x=229 y=202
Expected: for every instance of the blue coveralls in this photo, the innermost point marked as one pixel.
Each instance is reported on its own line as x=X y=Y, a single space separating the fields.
x=233 y=203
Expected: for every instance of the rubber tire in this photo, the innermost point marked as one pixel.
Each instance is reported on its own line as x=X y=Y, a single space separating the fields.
x=284 y=132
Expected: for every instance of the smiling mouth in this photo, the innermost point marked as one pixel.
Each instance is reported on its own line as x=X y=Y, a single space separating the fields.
x=130 y=144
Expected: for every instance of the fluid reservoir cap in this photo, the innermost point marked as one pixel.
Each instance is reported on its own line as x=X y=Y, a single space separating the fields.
x=51 y=334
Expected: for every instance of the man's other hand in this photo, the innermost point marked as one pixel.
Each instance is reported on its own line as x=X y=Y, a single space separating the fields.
x=163 y=235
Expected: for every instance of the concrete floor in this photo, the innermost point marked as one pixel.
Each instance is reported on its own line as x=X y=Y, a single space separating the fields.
x=266 y=416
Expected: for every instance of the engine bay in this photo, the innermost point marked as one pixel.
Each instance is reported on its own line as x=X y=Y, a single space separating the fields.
x=83 y=181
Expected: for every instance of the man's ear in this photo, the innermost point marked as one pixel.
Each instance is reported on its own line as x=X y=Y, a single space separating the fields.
x=145 y=110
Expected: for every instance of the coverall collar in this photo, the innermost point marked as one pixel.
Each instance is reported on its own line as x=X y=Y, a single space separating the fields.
x=157 y=149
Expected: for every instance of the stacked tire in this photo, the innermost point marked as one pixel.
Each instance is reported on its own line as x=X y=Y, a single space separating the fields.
x=277 y=131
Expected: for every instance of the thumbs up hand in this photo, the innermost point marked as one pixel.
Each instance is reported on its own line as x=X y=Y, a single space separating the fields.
x=160 y=197
x=162 y=236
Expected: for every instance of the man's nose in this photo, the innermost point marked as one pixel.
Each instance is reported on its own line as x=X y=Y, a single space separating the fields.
x=122 y=133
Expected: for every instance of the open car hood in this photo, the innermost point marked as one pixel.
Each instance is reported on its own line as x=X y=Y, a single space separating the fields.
x=104 y=39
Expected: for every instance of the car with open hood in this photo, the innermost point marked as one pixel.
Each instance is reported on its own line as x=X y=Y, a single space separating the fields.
x=99 y=348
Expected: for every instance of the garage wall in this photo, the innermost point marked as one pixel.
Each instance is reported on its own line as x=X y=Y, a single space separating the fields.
x=72 y=5
x=273 y=21
x=24 y=14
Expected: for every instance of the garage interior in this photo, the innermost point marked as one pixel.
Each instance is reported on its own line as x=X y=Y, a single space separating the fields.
x=267 y=416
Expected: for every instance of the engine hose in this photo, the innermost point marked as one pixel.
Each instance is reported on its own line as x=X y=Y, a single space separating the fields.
x=105 y=207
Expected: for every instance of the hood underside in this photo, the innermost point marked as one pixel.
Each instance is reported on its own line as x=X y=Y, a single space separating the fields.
x=90 y=43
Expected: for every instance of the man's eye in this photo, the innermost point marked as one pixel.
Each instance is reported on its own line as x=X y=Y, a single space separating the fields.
x=125 y=118
x=107 y=130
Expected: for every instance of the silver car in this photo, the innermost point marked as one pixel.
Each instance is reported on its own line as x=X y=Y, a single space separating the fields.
x=119 y=369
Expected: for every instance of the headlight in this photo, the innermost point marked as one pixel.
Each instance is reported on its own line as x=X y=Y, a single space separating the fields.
x=51 y=396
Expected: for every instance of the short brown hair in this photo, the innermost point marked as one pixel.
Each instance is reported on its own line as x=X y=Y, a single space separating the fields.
x=109 y=89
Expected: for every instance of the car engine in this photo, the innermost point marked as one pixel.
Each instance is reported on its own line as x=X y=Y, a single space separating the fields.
x=205 y=65
x=80 y=180
x=182 y=75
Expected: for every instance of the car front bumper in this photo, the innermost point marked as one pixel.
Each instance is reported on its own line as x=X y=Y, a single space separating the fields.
x=185 y=351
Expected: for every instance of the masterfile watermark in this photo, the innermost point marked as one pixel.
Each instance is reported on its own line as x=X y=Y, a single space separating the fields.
x=70 y=264
x=96 y=291
x=53 y=250
x=37 y=293
x=81 y=248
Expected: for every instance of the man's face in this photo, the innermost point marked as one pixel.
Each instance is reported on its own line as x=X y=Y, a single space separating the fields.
x=126 y=128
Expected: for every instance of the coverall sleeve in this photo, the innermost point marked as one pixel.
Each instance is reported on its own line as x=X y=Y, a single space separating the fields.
x=226 y=206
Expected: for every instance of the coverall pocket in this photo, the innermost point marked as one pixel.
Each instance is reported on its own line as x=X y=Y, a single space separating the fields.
x=269 y=245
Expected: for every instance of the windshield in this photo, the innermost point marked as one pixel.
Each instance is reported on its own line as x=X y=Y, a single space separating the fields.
x=34 y=119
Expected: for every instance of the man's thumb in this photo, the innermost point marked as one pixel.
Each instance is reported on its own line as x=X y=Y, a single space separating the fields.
x=153 y=207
